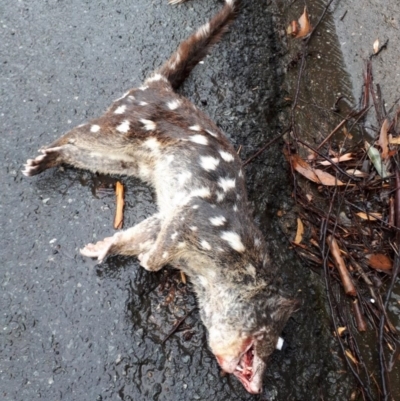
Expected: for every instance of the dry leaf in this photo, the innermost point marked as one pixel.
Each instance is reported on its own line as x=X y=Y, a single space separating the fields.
x=357 y=173
x=376 y=46
x=341 y=330
x=369 y=216
x=305 y=26
x=300 y=231
x=327 y=179
x=394 y=141
x=315 y=175
x=379 y=261
x=293 y=28
x=343 y=158
x=301 y=28
x=376 y=159
x=383 y=139
x=351 y=357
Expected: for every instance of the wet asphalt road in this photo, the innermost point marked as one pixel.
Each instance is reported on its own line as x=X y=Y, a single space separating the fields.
x=72 y=330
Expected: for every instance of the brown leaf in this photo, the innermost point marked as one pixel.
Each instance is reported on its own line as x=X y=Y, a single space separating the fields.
x=305 y=26
x=351 y=357
x=369 y=216
x=315 y=175
x=357 y=173
x=300 y=231
x=379 y=261
x=342 y=158
x=394 y=141
x=293 y=28
x=383 y=139
x=327 y=179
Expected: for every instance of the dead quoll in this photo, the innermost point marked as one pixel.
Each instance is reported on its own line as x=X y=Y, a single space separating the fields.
x=203 y=226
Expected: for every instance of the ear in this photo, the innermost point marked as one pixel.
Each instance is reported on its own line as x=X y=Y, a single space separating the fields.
x=281 y=309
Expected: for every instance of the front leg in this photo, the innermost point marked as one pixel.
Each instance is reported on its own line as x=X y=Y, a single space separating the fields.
x=131 y=242
x=168 y=247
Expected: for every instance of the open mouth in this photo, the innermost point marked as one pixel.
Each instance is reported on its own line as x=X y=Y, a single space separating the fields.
x=249 y=371
x=244 y=369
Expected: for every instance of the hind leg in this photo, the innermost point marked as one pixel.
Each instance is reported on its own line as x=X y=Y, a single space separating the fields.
x=84 y=149
x=131 y=242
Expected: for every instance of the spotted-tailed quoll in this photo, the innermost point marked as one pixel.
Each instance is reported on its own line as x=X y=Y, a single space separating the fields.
x=203 y=225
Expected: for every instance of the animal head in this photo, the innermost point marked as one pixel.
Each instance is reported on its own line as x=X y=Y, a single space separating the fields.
x=246 y=332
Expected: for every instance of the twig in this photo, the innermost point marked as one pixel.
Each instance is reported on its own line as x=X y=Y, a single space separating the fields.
x=351 y=177
x=176 y=326
x=251 y=158
x=348 y=285
x=119 y=212
x=360 y=321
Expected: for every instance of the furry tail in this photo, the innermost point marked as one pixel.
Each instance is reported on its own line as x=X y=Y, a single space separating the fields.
x=196 y=47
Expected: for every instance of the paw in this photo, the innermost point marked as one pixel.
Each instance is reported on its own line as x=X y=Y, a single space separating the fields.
x=152 y=262
x=144 y=260
x=100 y=249
x=46 y=160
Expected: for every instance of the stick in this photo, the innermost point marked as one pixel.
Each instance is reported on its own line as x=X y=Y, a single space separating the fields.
x=360 y=321
x=119 y=212
x=348 y=285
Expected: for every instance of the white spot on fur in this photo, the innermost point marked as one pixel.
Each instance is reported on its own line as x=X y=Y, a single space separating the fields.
x=209 y=163
x=184 y=177
x=235 y=208
x=228 y=157
x=157 y=77
x=220 y=196
x=195 y=128
x=205 y=245
x=193 y=228
x=173 y=104
x=257 y=242
x=251 y=270
x=195 y=206
x=203 y=192
x=200 y=139
x=170 y=159
x=123 y=127
x=181 y=245
x=148 y=124
x=240 y=173
x=143 y=87
x=203 y=281
x=165 y=255
x=174 y=235
x=176 y=61
x=212 y=133
x=227 y=183
x=204 y=30
x=218 y=221
x=95 y=128
x=120 y=109
x=143 y=103
x=152 y=144
x=234 y=240
x=130 y=97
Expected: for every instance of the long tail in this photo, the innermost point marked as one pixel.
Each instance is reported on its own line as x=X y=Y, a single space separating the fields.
x=196 y=47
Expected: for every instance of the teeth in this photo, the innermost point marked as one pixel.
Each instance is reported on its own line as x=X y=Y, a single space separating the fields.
x=239 y=369
x=252 y=352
